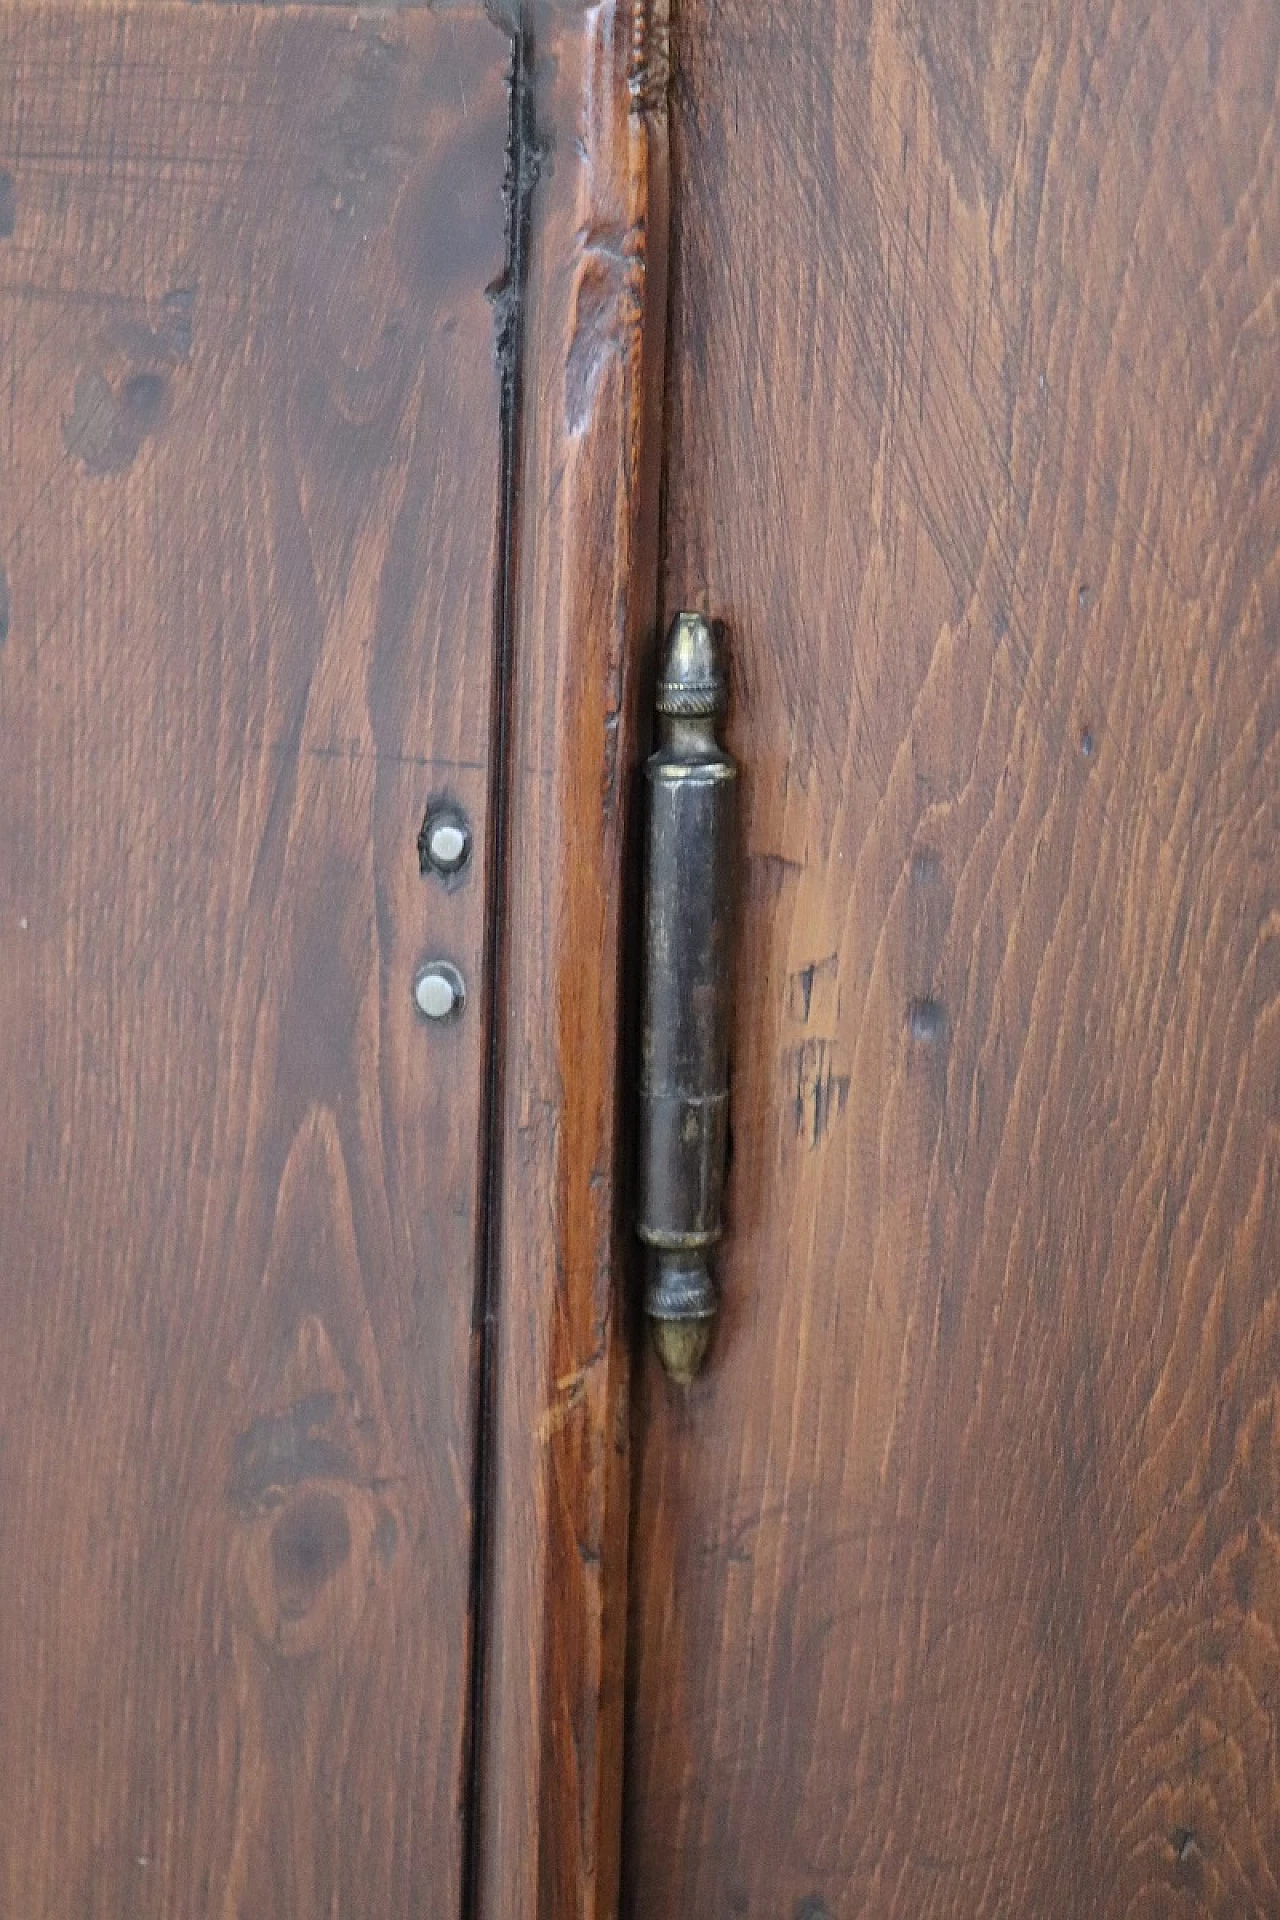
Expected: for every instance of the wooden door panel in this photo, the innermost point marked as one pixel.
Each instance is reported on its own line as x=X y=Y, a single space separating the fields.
x=955 y=1583
x=248 y=529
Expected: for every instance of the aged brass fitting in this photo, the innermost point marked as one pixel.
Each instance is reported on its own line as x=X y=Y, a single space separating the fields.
x=689 y=911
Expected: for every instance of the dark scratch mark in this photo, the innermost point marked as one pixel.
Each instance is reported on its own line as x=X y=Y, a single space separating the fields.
x=800 y=986
x=925 y=867
x=926 y=1020
x=356 y=754
x=820 y=1093
x=776 y=863
x=610 y=794
x=386 y=1537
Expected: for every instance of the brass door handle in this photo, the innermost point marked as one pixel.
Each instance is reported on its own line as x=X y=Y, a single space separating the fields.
x=689 y=911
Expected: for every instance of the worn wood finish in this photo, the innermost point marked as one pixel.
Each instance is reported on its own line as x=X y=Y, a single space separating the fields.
x=956 y=1582
x=584 y=588
x=250 y=433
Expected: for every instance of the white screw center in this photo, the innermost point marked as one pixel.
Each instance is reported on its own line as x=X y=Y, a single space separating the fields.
x=437 y=991
x=448 y=844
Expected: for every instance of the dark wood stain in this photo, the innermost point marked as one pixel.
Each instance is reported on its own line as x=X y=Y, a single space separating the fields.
x=249 y=524
x=107 y=425
x=309 y=1543
x=279 y=1450
x=955 y=1581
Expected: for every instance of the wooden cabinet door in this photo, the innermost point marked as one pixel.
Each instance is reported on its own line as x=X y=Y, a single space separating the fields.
x=956 y=1585
x=323 y=506
x=248 y=590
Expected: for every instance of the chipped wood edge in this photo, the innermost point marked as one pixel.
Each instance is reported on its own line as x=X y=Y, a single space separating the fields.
x=585 y=589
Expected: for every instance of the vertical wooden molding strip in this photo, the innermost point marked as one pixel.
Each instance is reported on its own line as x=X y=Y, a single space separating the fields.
x=584 y=605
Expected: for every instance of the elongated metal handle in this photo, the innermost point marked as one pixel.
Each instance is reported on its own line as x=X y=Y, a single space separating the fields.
x=690 y=875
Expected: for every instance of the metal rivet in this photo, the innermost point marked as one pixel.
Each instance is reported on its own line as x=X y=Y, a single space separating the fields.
x=438 y=992
x=444 y=845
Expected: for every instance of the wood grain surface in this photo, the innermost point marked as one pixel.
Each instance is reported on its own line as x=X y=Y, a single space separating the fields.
x=956 y=1582
x=249 y=440
x=584 y=589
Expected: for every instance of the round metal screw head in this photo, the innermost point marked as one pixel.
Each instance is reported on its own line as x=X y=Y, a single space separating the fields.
x=438 y=992
x=444 y=845
x=448 y=844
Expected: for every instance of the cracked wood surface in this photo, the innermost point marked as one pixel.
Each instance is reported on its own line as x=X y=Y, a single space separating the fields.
x=956 y=1582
